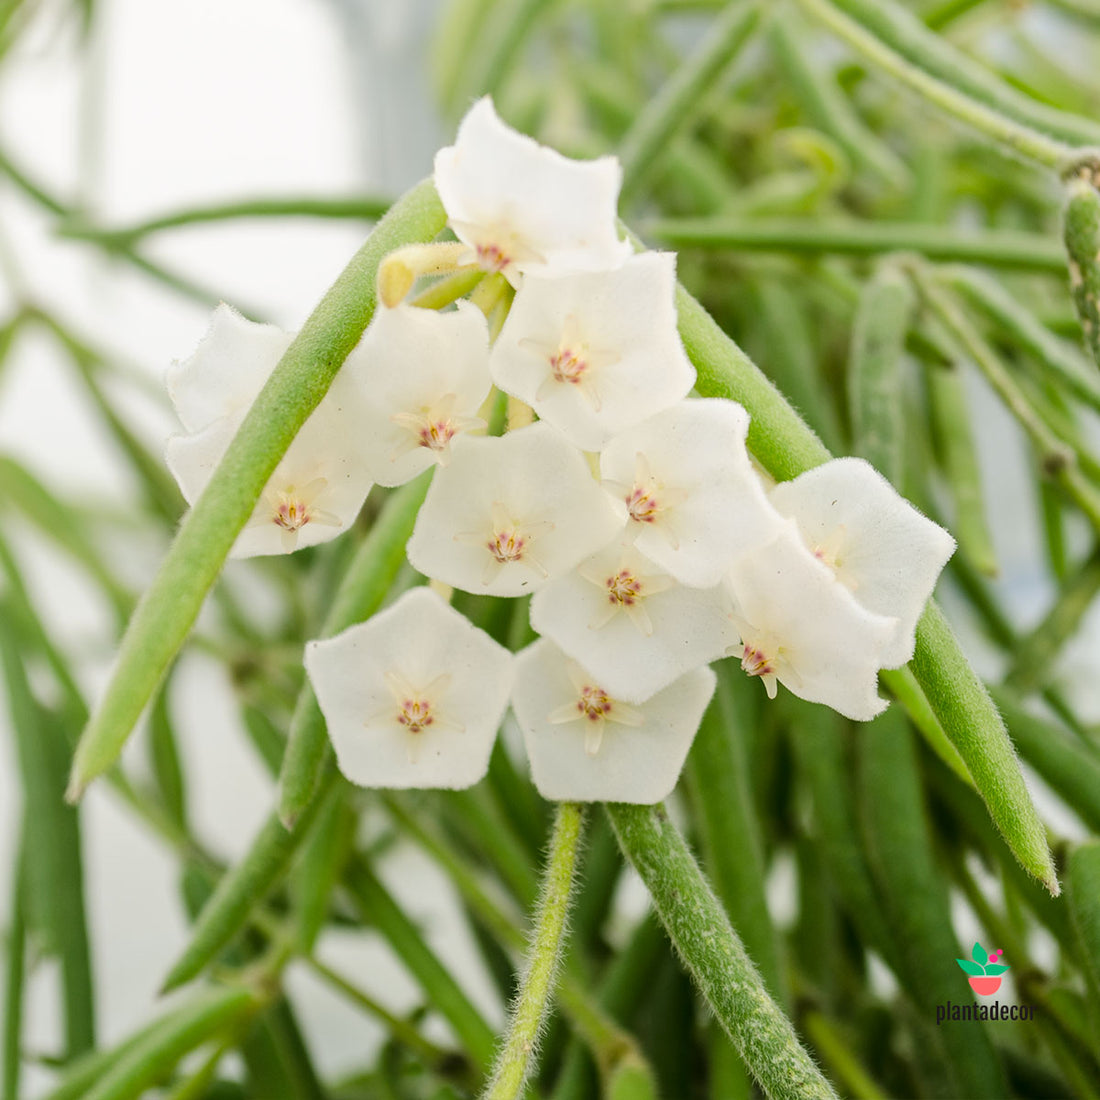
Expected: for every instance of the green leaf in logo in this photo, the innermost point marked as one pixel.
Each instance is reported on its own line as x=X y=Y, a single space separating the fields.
x=980 y=955
x=975 y=970
x=992 y=969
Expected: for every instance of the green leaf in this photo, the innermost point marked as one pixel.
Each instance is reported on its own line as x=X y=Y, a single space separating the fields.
x=980 y=955
x=993 y=969
x=169 y=608
x=971 y=968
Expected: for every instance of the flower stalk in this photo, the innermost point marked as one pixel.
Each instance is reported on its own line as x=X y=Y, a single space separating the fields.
x=516 y=1058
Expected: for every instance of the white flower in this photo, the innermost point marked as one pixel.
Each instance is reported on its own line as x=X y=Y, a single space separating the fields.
x=587 y=746
x=508 y=513
x=632 y=626
x=412 y=697
x=316 y=490
x=800 y=626
x=226 y=371
x=880 y=547
x=521 y=206
x=423 y=377
x=596 y=353
x=695 y=503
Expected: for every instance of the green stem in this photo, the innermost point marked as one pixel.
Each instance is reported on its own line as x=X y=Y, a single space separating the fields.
x=170 y=606
x=1002 y=248
x=713 y=953
x=1056 y=456
x=517 y=1053
x=902 y=31
x=1021 y=139
x=352 y=207
x=671 y=108
x=845 y=1066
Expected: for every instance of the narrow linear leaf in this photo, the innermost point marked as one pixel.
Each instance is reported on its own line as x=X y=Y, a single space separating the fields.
x=719 y=781
x=671 y=108
x=240 y=890
x=174 y=1035
x=169 y=608
x=1070 y=766
x=915 y=894
x=903 y=31
x=971 y=721
x=14 y=986
x=53 y=844
x=1083 y=895
x=950 y=411
x=1081 y=230
x=382 y=912
x=1002 y=248
x=712 y=952
x=874 y=371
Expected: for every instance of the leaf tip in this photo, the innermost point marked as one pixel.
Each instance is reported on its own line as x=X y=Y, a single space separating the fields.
x=78 y=784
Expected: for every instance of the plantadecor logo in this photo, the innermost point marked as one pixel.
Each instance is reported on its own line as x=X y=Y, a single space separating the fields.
x=984 y=974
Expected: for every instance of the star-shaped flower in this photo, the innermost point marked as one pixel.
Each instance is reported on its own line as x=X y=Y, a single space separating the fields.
x=879 y=546
x=520 y=206
x=630 y=624
x=320 y=484
x=423 y=376
x=413 y=697
x=507 y=514
x=585 y=745
x=694 y=501
x=800 y=627
x=596 y=353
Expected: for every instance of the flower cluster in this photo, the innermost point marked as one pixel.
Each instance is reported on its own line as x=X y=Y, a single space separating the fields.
x=630 y=511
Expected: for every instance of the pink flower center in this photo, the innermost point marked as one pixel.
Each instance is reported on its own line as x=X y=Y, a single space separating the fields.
x=623 y=588
x=415 y=714
x=492 y=257
x=642 y=504
x=756 y=662
x=594 y=704
x=568 y=365
x=507 y=545
x=291 y=514
x=436 y=435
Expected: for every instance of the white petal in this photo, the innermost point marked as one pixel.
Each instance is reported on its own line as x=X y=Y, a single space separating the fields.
x=422 y=642
x=638 y=762
x=407 y=363
x=622 y=323
x=831 y=648
x=324 y=459
x=716 y=505
x=497 y=184
x=532 y=479
x=886 y=552
x=227 y=370
x=689 y=627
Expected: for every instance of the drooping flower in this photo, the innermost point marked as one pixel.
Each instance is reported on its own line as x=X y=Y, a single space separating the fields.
x=222 y=377
x=694 y=501
x=520 y=206
x=631 y=625
x=509 y=513
x=320 y=484
x=799 y=626
x=595 y=353
x=413 y=697
x=586 y=745
x=879 y=546
x=423 y=375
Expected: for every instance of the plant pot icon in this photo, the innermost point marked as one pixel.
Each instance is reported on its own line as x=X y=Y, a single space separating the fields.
x=985 y=986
